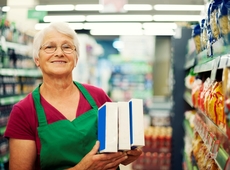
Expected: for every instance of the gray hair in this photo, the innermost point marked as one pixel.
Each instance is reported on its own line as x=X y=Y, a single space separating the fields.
x=60 y=27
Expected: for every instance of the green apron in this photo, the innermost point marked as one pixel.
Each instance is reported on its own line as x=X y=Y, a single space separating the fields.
x=65 y=143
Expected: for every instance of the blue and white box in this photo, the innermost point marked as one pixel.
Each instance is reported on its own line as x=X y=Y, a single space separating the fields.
x=123 y=126
x=136 y=123
x=108 y=127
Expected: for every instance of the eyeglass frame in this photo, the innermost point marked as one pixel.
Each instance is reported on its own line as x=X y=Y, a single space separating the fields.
x=57 y=47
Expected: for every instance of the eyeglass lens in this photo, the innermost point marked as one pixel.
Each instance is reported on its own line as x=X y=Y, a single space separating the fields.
x=51 y=48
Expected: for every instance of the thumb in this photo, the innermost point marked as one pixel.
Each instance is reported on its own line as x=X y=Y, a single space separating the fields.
x=95 y=148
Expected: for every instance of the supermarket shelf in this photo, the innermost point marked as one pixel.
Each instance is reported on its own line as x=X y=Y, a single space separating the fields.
x=190 y=63
x=222 y=62
x=204 y=67
x=11 y=99
x=19 y=48
x=188 y=98
x=222 y=158
x=189 y=165
x=190 y=60
x=219 y=133
x=188 y=128
x=20 y=72
x=222 y=155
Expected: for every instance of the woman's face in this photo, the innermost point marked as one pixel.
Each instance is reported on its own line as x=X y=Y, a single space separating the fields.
x=58 y=62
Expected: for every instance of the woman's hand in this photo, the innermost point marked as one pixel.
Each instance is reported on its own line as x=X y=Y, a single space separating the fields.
x=132 y=156
x=105 y=161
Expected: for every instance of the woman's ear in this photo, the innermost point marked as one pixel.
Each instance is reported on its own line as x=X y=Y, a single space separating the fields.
x=75 y=64
x=36 y=62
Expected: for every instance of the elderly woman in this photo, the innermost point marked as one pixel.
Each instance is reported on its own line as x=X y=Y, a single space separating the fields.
x=55 y=126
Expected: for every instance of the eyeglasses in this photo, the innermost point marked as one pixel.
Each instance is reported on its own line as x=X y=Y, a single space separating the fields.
x=51 y=48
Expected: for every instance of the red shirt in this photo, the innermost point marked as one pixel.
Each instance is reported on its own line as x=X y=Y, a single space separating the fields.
x=23 y=121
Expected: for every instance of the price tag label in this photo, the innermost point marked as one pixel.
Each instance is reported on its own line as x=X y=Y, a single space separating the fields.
x=215 y=68
x=207 y=140
x=223 y=61
x=210 y=141
x=195 y=123
x=203 y=129
x=198 y=123
x=215 y=148
x=205 y=134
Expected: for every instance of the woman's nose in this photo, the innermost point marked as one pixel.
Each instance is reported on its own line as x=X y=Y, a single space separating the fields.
x=59 y=51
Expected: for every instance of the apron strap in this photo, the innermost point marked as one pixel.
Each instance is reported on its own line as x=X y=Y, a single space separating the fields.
x=87 y=95
x=39 y=109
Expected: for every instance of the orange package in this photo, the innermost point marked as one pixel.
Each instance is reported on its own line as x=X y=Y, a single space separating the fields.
x=196 y=92
x=211 y=104
x=207 y=95
x=203 y=93
x=216 y=105
x=219 y=106
x=226 y=93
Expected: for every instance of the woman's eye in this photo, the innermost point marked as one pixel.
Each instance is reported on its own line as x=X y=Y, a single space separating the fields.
x=66 y=46
x=49 y=47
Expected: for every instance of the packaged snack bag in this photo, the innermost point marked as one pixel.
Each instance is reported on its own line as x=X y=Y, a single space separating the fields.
x=226 y=3
x=226 y=92
x=196 y=37
x=205 y=88
x=196 y=92
x=211 y=104
x=216 y=105
x=213 y=19
x=209 y=32
x=223 y=22
x=207 y=95
x=204 y=34
x=219 y=106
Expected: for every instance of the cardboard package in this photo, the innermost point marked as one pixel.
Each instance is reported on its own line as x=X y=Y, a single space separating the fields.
x=123 y=126
x=107 y=127
x=136 y=123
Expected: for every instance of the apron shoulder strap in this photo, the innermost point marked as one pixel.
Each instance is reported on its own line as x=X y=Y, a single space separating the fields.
x=39 y=109
x=86 y=94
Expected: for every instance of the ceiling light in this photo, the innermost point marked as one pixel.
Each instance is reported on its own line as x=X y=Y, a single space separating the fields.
x=116 y=31
x=75 y=26
x=66 y=18
x=159 y=25
x=112 y=25
x=119 y=18
x=177 y=17
x=171 y=7
x=66 y=7
x=5 y=8
x=89 y=7
x=137 y=7
x=159 y=32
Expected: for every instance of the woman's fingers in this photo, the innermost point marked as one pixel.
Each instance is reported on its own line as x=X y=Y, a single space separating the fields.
x=95 y=148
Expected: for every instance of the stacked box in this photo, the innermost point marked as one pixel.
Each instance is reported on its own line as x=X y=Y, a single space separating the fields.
x=107 y=127
x=121 y=126
x=136 y=123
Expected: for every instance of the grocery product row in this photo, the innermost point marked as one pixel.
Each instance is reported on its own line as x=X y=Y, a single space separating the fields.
x=210 y=121
x=157 y=150
x=207 y=90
